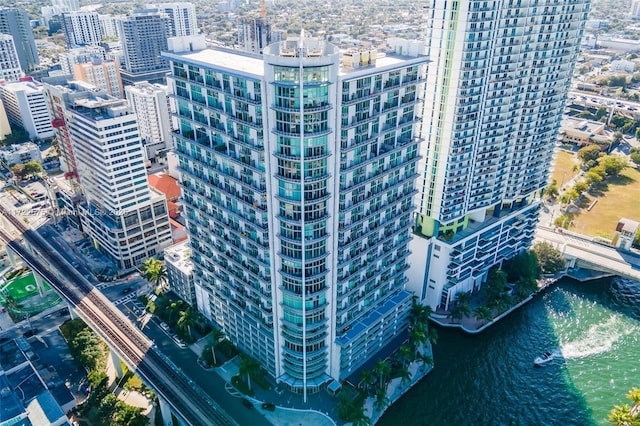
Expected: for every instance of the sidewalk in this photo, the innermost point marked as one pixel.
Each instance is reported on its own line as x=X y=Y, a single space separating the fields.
x=132 y=398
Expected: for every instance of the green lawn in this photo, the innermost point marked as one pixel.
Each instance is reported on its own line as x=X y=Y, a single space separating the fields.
x=621 y=199
x=563 y=167
x=22 y=288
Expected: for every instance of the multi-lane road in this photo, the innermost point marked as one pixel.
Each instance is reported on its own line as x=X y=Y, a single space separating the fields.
x=187 y=400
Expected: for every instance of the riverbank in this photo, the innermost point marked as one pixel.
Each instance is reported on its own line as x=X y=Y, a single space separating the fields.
x=473 y=325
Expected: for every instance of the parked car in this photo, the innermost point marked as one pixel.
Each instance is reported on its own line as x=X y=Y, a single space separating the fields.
x=164 y=326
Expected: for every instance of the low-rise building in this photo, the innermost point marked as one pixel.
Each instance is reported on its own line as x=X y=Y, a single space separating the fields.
x=583 y=132
x=21 y=153
x=626 y=232
x=177 y=260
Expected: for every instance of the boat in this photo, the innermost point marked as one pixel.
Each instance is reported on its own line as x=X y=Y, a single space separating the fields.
x=543 y=359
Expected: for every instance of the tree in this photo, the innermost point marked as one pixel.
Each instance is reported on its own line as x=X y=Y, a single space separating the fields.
x=18 y=171
x=600 y=113
x=424 y=359
x=216 y=336
x=483 y=313
x=248 y=367
x=589 y=153
x=358 y=417
x=552 y=190
x=635 y=154
x=405 y=354
x=613 y=164
x=33 y=168
x=127 y=415
x=580 y=187
x=621 y=415
x=382 y=400
x=459 y=311
x=366 y=380
x=405 y=375
x=382 y=370
x=549 y=258
x=592 y=177
x=186 y=320
x=154 y=271
x=463 y=297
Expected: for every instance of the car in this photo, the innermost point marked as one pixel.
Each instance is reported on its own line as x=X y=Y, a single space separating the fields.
x=164 y=326
x=247 y=403
x=180 y=342
x=126 y=290
x=268 y=406
x=30 y=333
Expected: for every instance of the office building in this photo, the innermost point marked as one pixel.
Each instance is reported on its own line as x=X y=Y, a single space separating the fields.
x=150 y=102
x=26 y=107
x=102 y=74
x=15 y=22
x=144 y=36
x=299 y=254
x=123 y=216
x=498 y=84
x=182 y=18
x=9 y=62
x=81 y=28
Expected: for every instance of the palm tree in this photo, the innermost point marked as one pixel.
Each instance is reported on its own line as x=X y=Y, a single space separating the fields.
x=621 y=415
x=419 y=314
x=358 y=417
x=483 y=313
x=216 y=336
x=459 y=311
x=248 y=367
x=382 y=400
x=186 y=320
x=433 y=336
x=405 y=375
x=382 y=369
x=463 y=298
x=418 y=336
x=634 y=396
x=406 y=354
x=425 y=359
x=366 y=380
x=154 y=271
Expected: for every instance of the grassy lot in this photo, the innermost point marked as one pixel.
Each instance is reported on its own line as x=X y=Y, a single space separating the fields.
x=621 y=199
x=22 y=288
x=563 y=167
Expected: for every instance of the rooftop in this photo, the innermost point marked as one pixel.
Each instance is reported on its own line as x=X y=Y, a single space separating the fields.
x=165 y=184
x=179 y=256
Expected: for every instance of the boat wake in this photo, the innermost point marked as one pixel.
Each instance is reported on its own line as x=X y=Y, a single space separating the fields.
x=599 y=338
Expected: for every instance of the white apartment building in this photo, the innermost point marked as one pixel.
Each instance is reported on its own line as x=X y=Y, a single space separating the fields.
x=26 y=106
x=177 y=261
x=298 y=178
x=497 y=88
x=109 y=25
x=125 y=217
x=10 y=69
x=81 y=28
x=150 y=103
x=21 y=153
x=183 y=21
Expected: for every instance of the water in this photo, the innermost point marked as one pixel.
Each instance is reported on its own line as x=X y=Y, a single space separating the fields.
x=593 y=330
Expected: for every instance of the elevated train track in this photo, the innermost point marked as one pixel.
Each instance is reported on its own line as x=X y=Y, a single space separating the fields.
x=186 y=399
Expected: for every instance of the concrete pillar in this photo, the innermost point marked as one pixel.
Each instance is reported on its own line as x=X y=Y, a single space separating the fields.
x=13 y=259
x=39 y=282
x=165 y=410
x=116 y=364
x=72 y=312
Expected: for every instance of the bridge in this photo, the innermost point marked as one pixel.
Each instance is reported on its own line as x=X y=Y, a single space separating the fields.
x=176 y=392
x=585 y=252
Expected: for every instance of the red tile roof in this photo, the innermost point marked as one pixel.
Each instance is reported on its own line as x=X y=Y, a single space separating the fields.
x=165 y=184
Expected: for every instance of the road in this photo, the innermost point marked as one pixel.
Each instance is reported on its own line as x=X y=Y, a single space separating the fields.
x=181 y=393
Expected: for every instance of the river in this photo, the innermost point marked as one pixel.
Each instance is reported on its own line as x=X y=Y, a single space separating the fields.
x=592 y=328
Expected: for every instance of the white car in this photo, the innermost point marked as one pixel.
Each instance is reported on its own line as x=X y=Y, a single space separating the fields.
x=164 y=326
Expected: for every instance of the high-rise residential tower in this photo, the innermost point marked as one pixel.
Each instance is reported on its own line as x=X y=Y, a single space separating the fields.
x=498 y=83
x=298 y=177
x=15 y=22
x=182 y=18
x=126 y=218
x=9 y=62
x=81 y=28
x=101 y=73
x=144 y=36
x=150 y=103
